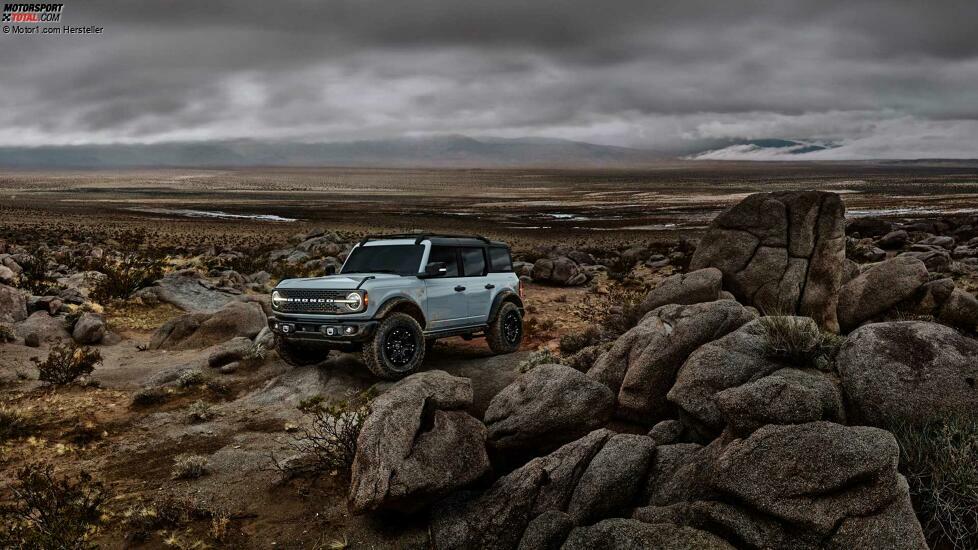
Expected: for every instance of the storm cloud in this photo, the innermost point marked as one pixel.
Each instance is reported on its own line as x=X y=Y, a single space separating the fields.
x=895 y=79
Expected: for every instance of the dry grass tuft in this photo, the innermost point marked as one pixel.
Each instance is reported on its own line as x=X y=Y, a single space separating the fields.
x=940 y=461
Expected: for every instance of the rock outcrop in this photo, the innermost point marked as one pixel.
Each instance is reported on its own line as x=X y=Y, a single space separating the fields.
x=642 y=364
x=200 y=330
x=781 y=252
x=703 y=285
x=559 y=271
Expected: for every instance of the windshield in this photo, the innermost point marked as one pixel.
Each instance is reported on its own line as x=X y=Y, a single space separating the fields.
x=400 y=259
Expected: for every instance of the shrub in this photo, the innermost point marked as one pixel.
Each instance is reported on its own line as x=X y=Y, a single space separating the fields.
x=149 y=396
x=66 y=363
x=940 y=461
x=189 y=467
x=616 y=312
x=191 y=378
x=199 y=412
x=576 y=341
x=51 y=511
x=14 y=423
x=537 y=358
x=126 y=276
x=7 y=334
x=330 y=439
x=34 y=276
x=799 y=341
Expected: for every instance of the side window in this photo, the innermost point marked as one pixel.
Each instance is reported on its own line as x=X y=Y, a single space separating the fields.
x=446 y=255
x=500 y=260
x=473 y=262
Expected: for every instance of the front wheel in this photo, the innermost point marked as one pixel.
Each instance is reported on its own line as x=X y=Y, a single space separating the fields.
x=300 y=354
x=397 y=349
x=505 y=332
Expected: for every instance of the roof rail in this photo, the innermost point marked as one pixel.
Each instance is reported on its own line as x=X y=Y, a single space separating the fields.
x=418 y=237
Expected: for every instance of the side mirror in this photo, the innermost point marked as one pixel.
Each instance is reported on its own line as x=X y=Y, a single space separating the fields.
x=434 y=269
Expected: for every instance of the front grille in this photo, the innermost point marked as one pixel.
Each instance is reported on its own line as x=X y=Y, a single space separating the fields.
x=311 y=301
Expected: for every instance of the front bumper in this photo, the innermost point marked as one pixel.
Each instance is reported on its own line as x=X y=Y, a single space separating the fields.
x=334 y=331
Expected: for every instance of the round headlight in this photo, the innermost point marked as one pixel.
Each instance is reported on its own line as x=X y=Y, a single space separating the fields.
x=276 y=298
x=355 y=301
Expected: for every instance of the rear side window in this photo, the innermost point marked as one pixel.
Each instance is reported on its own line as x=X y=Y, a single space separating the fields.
x=445 y=255
x=473 y=262
x=499 y=260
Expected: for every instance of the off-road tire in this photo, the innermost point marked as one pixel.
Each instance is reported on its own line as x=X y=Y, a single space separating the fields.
x=300 y=354
x=397 y=348
x=505 y=332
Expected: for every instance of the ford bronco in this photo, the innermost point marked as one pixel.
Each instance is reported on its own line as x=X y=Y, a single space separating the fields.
x=395 y=295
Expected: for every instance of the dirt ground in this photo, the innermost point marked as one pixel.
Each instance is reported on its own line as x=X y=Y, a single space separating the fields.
x=133 y=448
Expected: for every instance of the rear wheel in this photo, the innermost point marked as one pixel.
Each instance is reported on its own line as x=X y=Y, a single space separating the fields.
x=299 y=353
x=505 y=332
x=397 y=349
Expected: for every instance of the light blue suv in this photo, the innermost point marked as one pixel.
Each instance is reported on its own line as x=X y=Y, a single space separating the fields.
x=396 y=295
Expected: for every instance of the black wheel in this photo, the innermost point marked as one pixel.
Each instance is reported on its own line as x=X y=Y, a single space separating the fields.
x=505 y=332
x=397 y=349
x=299 y=353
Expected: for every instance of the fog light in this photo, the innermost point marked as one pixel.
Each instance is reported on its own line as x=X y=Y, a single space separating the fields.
x=350 y=330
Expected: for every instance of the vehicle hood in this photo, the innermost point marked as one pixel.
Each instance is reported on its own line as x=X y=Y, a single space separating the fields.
x=339 y=282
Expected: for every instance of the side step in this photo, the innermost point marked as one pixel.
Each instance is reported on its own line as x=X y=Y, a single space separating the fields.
x=457 y=331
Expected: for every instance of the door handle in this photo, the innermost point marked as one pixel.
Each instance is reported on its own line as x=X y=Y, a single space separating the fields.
x=490 y=287
x=459 y=288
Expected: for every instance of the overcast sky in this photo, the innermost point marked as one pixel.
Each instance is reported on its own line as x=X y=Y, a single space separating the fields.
x=895 y=79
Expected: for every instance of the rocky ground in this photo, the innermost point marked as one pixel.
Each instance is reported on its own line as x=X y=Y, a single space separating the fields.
x=739 y=391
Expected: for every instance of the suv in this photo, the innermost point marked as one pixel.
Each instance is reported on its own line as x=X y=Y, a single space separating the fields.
x=395 y=295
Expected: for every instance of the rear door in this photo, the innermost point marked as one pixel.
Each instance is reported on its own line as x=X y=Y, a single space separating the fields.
x=446 y=306
x=478 y=289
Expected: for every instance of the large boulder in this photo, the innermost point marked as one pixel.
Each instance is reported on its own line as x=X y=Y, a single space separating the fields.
x=42 y=327
x=418 y=445
x=703 y=285
x=736 y=359
x=547 y=407
x=815 y=477
x=960 y=310
x=642 y=364
x=613 y=478
x=200 y=330
x=548 y=531
x=498 y=517
x=934 y=257
x=781 y=252
x=561 y=271
x=908 y=372
x=82 y=283
x=188 y=291
x=13 y=305
x=879 y=289
x=789 y=396
x=631 y=534
x=89 y=329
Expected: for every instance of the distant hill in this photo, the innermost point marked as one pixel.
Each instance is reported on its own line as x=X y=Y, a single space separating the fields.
x=439 y=151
